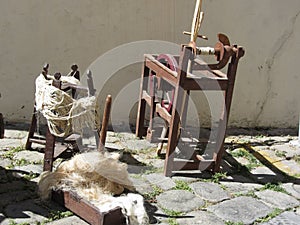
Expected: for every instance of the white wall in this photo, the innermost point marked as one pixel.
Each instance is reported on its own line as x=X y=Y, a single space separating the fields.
x=61 y=32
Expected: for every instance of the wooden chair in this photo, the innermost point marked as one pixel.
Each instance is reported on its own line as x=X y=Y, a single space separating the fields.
x=54 y=149
x=182 y=82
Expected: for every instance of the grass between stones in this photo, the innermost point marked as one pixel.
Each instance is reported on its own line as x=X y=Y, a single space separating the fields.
x=151 y=196
x=30 y=176
x=57 y=215
x=172 y=221
x=233 y=223
x=172 y=214
x=218 y=176
x=12 y=222
x=297 y=159
x=270 y=216
x=53 y=215
x=182 y=185
x=280 y=154
x=243 y=153
x=274 y=187
x=9 y=154
x=247 y=194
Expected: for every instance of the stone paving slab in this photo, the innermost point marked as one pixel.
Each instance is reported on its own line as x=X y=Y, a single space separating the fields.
x=288 y=166
x=110 y=139
x=185 y=179
x=286 y=218
x=210 y=191
x=25 y=212
x=72 y=220
x=165 y=183
x=263 y=174
x=270 y=155
x=15 y=134
x=137 y=145
x=277 y=199
x=241 y=209
x=5 y=162
x=289 y=150
x=29 y=156
x=179 y=201
x=114 y=146
x=31 y=168
x=292 y=189
x=8 y=143
x=141 y=185
x=14 y=196
x=13 y=186
x=200 y=217
x=240 y=188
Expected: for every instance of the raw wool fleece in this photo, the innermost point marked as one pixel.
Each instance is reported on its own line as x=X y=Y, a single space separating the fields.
x=96 y=177
x=63 y=113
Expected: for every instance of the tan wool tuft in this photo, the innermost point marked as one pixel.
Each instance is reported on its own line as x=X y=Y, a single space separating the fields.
x=90 y=174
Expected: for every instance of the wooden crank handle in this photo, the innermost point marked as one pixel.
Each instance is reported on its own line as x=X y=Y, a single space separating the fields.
x=199 y=36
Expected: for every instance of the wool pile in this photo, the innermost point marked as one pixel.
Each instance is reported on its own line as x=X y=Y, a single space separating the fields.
x=97 y=177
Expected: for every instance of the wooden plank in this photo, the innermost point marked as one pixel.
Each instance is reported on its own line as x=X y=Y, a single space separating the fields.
x=163 y=113
x=161 y=70
x=86 y=210
x=188 y=165
x=72 y=138
x=37 y=141
x=146 y=97
x=59 y=149
x=203 y=83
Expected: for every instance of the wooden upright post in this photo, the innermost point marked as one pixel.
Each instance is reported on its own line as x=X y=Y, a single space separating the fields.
x=1 y=126
x=50 y=138
x=105 y=121
x=185 y=57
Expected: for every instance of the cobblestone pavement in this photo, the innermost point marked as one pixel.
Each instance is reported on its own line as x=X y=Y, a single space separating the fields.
x=259 y=182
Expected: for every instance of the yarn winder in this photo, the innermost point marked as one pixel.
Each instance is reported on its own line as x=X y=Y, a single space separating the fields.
x=60 y=127
x=176 y=75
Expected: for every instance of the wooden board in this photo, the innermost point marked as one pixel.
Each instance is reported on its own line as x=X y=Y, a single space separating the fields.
x=87 y=211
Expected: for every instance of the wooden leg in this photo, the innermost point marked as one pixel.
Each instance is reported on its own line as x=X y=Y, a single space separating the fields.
x=31 y=130
x=163 y=135
x=152 y=114
x=140 y=128
x=49 y=151
x=172 y=143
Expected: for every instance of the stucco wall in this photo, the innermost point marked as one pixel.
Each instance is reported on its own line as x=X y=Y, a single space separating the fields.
x=61 y=32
